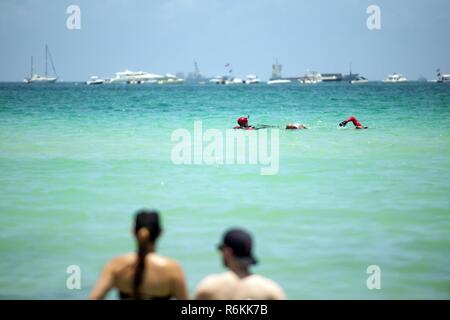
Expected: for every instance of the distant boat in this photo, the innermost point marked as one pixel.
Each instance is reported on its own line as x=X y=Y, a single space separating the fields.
x=350 y=76
x=328 y=77
x=132 y=77
x=276 y=75
x=95 y=80
x=170 y=79
x=395 y=78
x=37 y=78
x=234 y=81
x=218 y=80
x=226 y=80
x=252 y=79
x=311 y=78
x=441 y=78
x=279 y=81
x=359 y=79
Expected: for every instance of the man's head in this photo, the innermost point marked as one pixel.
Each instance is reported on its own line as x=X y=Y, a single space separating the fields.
x=236 y=248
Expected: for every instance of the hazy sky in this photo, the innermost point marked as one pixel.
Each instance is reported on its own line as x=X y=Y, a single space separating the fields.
x=161 y=36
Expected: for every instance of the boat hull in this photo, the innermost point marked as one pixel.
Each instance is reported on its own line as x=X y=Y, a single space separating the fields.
x=271 y=82
x=47 y=80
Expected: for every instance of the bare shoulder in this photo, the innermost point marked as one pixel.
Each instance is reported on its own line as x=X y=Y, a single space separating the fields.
x=165 y=262
x=167 y=266
x=211 y=285
x=210 y=281
x=119 y=262
x=206 y=288
x=267 y=285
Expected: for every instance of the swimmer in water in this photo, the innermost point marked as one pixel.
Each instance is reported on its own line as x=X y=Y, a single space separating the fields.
x=356 y=123
x=295 y=126
x=243 y=124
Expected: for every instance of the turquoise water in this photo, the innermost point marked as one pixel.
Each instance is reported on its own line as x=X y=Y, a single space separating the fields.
x=77 y=161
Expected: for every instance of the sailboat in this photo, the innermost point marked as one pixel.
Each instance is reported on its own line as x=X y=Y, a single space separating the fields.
x=37 y=78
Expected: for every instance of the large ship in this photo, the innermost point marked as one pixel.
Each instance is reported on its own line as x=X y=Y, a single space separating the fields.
x=37 y=78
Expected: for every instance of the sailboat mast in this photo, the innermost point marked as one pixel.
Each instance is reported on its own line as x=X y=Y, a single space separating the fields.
x=51 y=61
x=46 y=50
x=31 y=68
x=196 y=69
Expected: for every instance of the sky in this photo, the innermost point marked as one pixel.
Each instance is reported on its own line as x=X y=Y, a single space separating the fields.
x=165 y=36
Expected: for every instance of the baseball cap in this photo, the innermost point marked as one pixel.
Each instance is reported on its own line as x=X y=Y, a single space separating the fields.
x=240 y=241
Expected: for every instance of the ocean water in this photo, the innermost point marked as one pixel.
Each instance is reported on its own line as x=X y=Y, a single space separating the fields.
x=77 y=161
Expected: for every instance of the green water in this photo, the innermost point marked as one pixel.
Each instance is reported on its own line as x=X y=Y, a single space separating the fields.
x=77 y=161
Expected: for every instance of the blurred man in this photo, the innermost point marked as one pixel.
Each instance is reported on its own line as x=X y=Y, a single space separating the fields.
x=238 y=283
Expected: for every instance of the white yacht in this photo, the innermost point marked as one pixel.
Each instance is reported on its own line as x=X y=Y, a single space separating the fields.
x=279 y=81
x=234 y=81
x=441 y=78
x=37 y=78
x=395 y=78
x=311 y=78
x=359 y=79
x=138 y=77
x=95 y=80
x=218 y=80
x=170 y=79
x=252 y=79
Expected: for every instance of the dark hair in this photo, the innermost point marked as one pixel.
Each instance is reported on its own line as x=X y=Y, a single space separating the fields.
x=148 y=219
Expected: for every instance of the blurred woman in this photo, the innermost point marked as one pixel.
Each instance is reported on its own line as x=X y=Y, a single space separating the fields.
x=143 y=274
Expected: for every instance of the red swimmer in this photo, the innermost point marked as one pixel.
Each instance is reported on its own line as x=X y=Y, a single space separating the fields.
x=356 y=123
x=243 y=124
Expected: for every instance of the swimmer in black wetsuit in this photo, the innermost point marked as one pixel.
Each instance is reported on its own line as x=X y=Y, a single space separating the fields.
x=145 y=274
